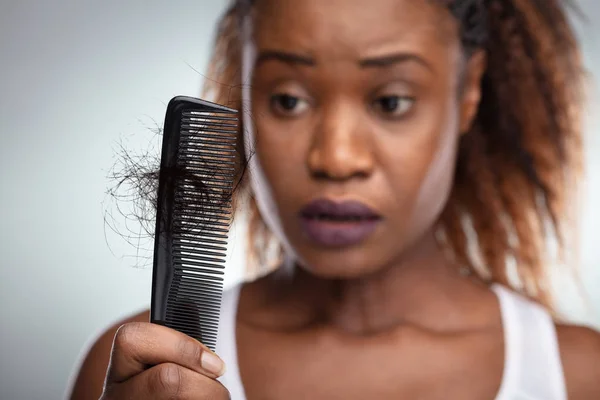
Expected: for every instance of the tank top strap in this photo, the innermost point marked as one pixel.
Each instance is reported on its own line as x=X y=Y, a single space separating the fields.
x=532 y=366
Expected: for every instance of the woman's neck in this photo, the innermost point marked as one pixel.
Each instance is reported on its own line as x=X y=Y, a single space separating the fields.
x=421 y=290
x=415 y=290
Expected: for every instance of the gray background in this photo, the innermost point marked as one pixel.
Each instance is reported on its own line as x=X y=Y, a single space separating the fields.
x=76 y=78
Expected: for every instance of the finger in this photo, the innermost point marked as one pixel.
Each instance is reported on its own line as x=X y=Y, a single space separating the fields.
x=139 y=345
x=170 y=381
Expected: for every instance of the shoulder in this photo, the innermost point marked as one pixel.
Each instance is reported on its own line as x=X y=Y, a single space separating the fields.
x=580 y=355
x=89 y=380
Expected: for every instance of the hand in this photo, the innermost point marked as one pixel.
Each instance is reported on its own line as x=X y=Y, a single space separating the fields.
x=150 y=361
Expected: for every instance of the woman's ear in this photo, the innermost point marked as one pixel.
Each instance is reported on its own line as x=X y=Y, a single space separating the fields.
x=471 y=89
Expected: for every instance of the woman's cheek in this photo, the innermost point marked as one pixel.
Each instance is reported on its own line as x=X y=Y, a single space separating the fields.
x=436 y=176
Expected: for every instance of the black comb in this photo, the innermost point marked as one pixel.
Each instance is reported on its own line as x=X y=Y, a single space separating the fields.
x=194 y=211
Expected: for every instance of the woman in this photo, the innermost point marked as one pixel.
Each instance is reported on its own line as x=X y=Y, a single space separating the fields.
x=409 y=156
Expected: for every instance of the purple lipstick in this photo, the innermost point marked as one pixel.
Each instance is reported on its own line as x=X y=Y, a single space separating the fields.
x=338 y=224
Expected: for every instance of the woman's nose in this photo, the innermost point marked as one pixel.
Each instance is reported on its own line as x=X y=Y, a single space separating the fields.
x=340 y=148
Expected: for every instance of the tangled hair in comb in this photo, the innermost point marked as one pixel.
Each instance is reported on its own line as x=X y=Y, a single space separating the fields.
x=517 y=167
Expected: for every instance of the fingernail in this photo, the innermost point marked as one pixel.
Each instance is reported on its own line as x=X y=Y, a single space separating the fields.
x=212 y=363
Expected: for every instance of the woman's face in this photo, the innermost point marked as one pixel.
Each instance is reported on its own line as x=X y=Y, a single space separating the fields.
x=358 y=108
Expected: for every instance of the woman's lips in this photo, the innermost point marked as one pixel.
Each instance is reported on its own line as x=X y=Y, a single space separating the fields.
x=338 y=224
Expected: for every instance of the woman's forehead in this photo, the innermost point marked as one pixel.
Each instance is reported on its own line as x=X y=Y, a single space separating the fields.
x=351 y=25
x=347 y=30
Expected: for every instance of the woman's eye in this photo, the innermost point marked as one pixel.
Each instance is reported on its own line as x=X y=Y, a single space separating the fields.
x=394 y=106
x=288 y=104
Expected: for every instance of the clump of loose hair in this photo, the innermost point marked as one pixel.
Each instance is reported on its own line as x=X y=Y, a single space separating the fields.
x=131 y=202
x=518 y=165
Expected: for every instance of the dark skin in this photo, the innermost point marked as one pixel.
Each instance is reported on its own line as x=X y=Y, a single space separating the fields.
x=369 y=112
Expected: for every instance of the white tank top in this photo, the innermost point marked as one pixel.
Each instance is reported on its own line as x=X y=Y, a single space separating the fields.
x=532 y=365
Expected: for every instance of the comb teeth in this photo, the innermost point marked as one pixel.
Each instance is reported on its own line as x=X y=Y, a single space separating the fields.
x=194 y=217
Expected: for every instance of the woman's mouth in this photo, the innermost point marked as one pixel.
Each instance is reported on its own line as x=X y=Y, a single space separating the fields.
x=338 y=224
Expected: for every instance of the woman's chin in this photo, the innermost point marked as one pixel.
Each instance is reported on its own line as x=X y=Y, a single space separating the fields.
x=341 y=264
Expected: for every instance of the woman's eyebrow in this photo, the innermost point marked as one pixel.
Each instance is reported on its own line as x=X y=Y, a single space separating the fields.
x=382 y=61
x=388 y=60
x=285 y=57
